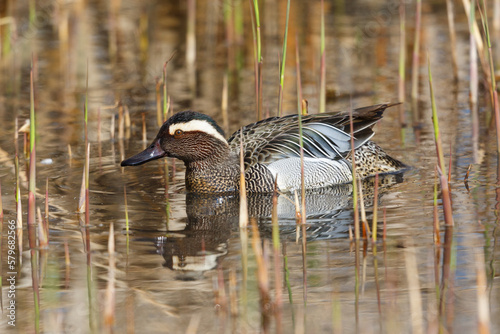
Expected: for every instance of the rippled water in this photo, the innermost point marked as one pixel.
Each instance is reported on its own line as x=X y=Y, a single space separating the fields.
x=182 y=247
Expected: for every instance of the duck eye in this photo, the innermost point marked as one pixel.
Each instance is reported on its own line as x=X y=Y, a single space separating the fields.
x=178 y=133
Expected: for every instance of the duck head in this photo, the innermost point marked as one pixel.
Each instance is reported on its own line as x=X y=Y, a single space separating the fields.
x=188 y=135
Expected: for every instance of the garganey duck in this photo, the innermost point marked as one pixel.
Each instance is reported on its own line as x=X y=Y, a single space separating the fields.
x=271 y=150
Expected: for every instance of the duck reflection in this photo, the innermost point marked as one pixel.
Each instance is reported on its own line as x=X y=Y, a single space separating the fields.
x=211 y=219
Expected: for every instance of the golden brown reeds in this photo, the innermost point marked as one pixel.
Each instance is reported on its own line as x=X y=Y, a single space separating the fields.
x=453 y=36
x=67 y=264
x=233 y=295
x=322 y=88
x=144 y=132
x=261 y=250
x=416 y=63
x=483 y=306
x=402 y=69
x=109 y=301
x=159 y=117
x=191 y=45
x=225 y=102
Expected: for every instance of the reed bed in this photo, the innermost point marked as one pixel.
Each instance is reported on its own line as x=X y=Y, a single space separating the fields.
x=277 y=266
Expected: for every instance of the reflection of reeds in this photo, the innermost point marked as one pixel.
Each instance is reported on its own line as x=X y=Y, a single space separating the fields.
x=414 y=291
x=261 y=250
x=483 y=309
x=436 y=214
x=109 y=301
x=277 y=261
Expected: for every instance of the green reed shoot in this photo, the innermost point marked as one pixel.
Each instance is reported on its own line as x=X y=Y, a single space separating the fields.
x=261 y=258
x=233 y=293
x=6 y=40
x=32 y=12
x=322 y=89
x=287 y=281
x=276 y=257
x=439 y=149
x=283 y=62
x=32 y=204
x=87 y=155
x=435 y=213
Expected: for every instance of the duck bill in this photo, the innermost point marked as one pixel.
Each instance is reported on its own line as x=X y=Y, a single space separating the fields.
x=153 y=152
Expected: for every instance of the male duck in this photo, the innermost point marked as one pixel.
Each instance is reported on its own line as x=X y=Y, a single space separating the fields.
x=271 y=148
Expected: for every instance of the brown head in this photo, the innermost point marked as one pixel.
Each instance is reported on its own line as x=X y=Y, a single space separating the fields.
x=188 y=135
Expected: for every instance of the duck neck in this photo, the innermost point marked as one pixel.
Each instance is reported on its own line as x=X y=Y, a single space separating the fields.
x=218 y=172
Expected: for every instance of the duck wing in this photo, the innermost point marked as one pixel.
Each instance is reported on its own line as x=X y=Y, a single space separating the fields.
x=325 y=136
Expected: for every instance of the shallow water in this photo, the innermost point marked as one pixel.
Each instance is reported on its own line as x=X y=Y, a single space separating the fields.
x=181 y=247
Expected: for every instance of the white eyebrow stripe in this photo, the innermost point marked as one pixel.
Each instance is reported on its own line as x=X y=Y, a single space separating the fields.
x=197 y=125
